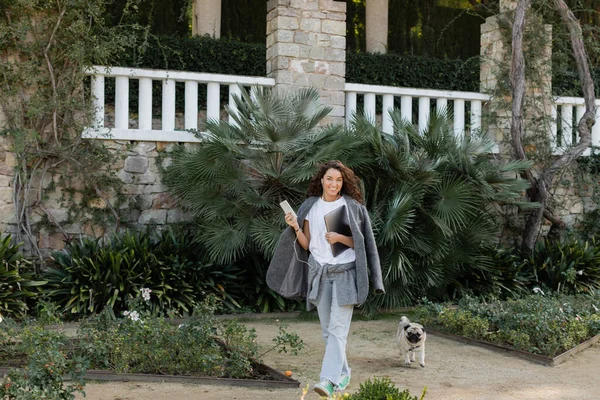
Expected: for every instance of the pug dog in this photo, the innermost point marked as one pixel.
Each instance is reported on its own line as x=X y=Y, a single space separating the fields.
x=410 y=338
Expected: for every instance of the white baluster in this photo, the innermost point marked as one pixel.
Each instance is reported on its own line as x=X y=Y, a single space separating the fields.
x=424 y=111
x=554 y=129
x=122 y=102
x=369 y=107
x=168 y=105
x=191 y=105
x=350 y=107
x=475 y=115
x=441 y=105
x=406 y=108
x=387 y=125
x=234 y=90
x=98 y=100
x=145 y=104
x=459 y=117
x=213 y=102
x=567 y=125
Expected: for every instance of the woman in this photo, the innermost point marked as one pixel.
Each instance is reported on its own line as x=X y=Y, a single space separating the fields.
x=335 y=283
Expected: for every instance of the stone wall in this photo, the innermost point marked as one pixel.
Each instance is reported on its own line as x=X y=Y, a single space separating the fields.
x=142 y=202
x=306 y=47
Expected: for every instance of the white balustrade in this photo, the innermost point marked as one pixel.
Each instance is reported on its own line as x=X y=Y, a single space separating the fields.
x=425 y=98
x=569 y=107
x=565 y=112
x=169 y=130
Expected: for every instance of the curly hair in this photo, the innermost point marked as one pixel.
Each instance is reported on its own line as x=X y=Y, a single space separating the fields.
x=350 y=186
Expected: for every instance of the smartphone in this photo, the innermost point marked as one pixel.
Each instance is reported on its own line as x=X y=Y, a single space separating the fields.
x=287 y=208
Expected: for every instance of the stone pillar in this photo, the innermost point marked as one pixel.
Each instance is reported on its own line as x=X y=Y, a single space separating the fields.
x=495 y=66
x=206 y=18
x=306 y=47
x=377 y=25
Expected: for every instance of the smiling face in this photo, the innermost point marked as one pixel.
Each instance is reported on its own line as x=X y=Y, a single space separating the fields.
x=332 y=184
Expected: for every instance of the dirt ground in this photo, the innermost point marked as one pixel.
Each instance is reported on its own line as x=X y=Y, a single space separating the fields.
x=453 y=371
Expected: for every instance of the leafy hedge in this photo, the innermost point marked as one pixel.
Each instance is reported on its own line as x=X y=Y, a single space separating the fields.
x=567 y=83
x=198 y=54
x=413 y=71
x=540 y=324
x=232 y=57
x=227 y=56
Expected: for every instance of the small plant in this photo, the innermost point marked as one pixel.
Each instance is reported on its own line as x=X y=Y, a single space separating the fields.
x=17 y=280
x=383 y=389
x=285 y=339
x=47 y=366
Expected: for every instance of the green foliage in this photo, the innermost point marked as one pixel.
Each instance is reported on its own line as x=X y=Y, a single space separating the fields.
x=413 y=71
x=431 y=196
x=233 y=182
x=567 y=266
x=226 y=56
x=540 y=324
x=382 y=389
x=48 y=366
x=159 y=16
x=203 y=345
x=196 y=54
x=17 y=280
x=48 y=46
x=91 y=275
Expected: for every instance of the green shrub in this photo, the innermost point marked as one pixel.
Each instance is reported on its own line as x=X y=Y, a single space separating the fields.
x=90 y=275
x=568 y=266
x=541 y=324
x=413 y=71
x=382 y=389
x=48 y=365
x=431 y=197
x=201 y=346
x=17 y=280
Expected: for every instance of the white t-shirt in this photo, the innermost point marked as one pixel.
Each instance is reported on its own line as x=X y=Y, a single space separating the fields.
x=318 y=246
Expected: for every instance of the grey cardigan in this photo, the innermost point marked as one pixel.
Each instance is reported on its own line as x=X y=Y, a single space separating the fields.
x=367 y=257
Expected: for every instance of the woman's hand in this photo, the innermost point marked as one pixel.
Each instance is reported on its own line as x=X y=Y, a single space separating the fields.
x=333 y=237
x=291 y=220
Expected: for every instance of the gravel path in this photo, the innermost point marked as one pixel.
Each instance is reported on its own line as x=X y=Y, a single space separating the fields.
x=453 y=370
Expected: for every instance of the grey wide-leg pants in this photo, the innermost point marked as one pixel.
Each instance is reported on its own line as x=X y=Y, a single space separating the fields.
x=335 y=324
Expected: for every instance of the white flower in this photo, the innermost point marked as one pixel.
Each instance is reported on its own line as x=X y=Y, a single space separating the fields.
x=580 y=272
x=146 y=294
x=132 y=315
x=577 y=317
x=1 y=318
x=538 y=290
x=180 y=326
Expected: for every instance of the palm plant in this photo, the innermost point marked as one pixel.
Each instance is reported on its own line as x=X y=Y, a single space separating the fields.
x=432 y=195
x=234 y=181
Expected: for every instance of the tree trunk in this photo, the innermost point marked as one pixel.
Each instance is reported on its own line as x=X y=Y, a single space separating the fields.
x=539 y=190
